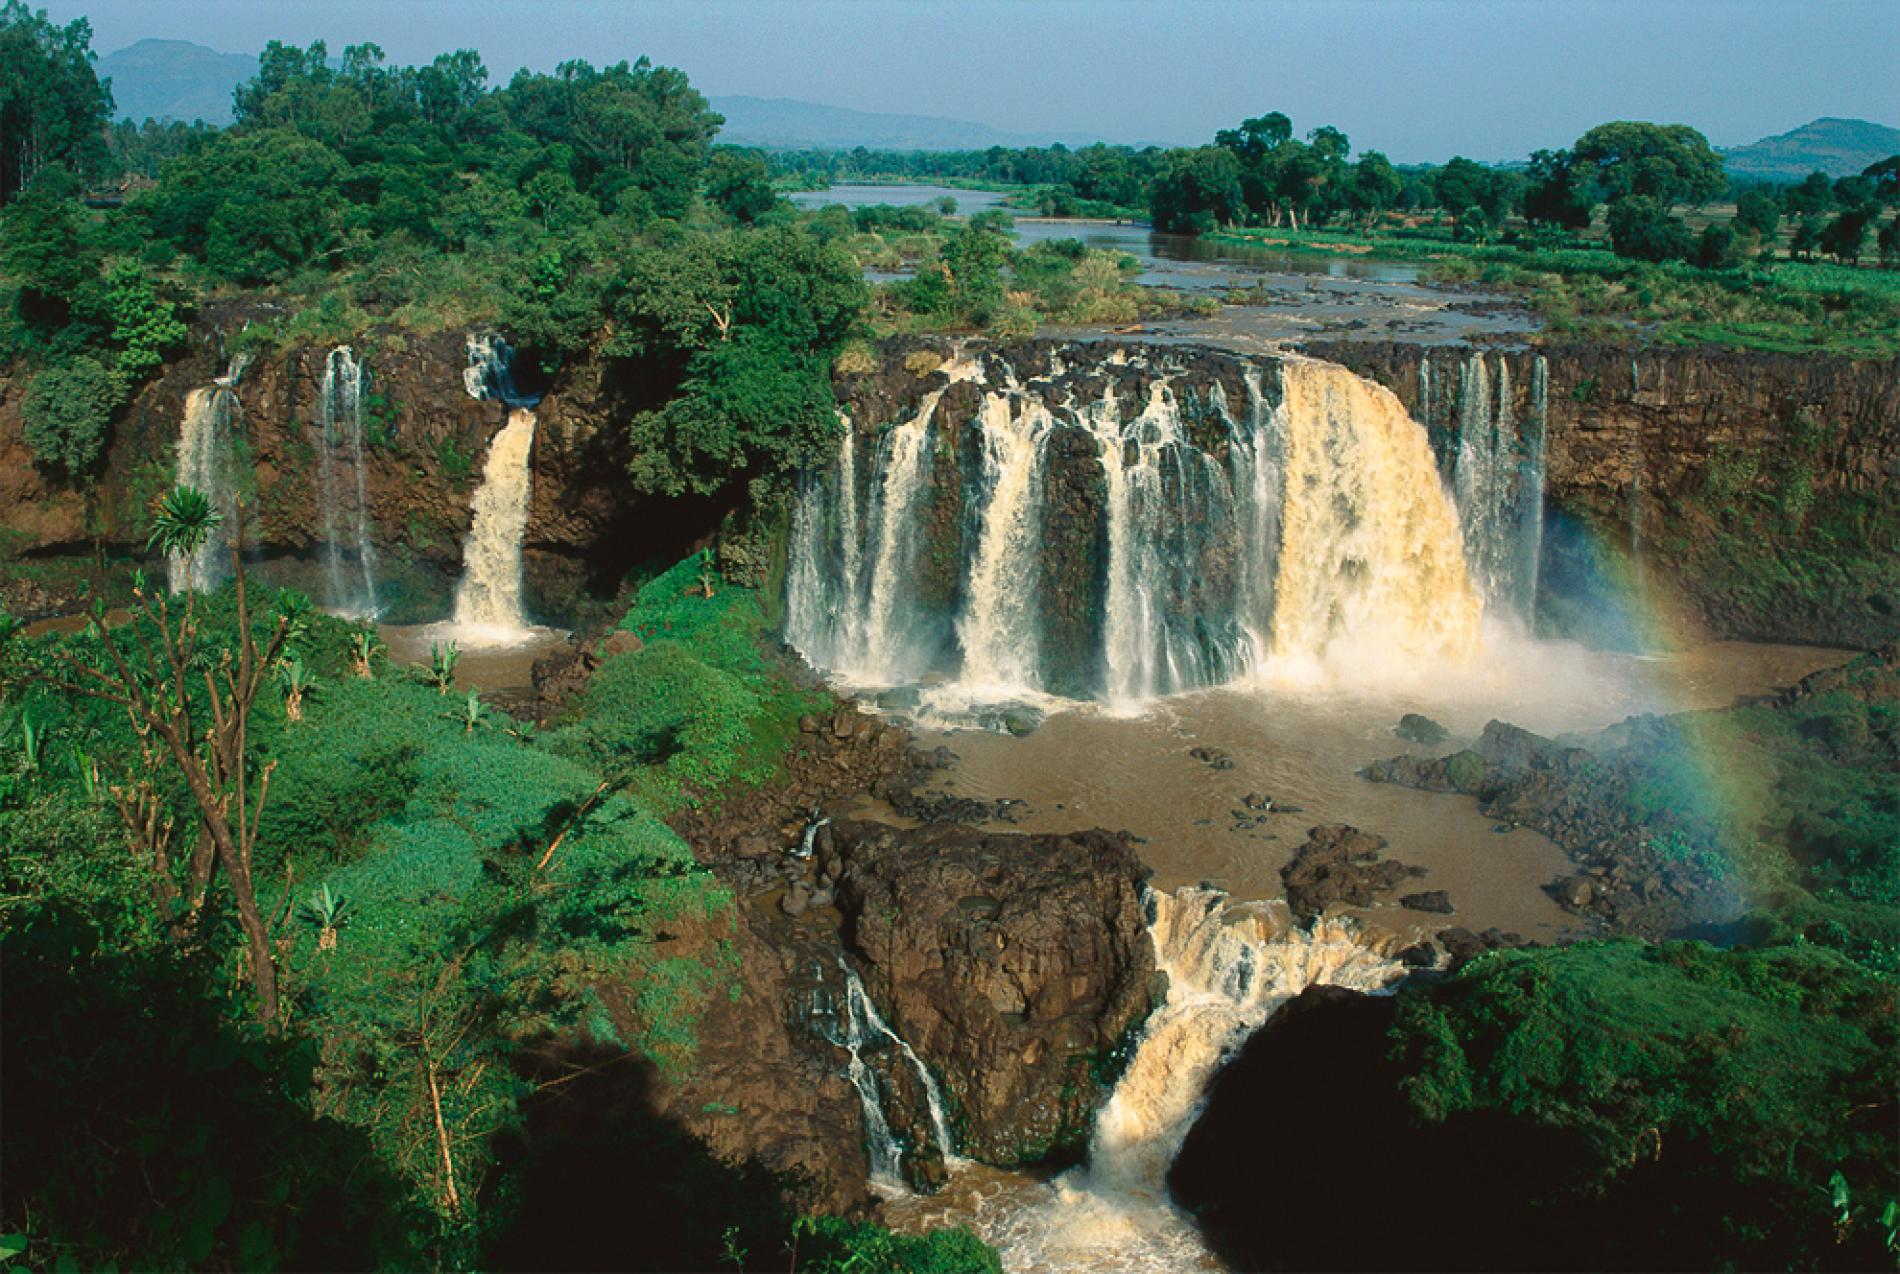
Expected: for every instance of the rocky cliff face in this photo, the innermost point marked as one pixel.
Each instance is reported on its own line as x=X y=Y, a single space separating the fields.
x=426 y=441
x=1015 y=965
x=1756 y=487
x=1754 y=484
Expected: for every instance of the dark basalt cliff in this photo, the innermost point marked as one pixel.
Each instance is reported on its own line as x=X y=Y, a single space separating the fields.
x=1751 y=493
x=426 y=441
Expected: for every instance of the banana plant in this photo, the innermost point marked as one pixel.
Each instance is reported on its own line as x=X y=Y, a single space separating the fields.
x=364 y=647
x=298 y=681
x=474 y=713
x=329 y=911
x=442 y=661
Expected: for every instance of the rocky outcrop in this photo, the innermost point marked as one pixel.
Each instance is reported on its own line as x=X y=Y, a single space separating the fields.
x=1014 y=965
x=1339 y=866
x=1650 y=452
x=1589 y=801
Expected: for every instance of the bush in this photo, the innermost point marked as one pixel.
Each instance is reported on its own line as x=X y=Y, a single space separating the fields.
x=67 y=412
x=1642 y=229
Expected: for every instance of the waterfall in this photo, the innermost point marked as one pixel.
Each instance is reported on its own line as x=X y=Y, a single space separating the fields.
x=1498 y=480
x=1222 y=537
x=1227 y=974
x=1369 y=545
x=205 y=461
x=997 y=630
x=490 y=372
x=861 y=1029
x=351 y=590
x=488 y=605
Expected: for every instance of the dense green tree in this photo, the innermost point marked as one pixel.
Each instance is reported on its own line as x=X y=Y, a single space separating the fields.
x=1641 y=228
x=46 y=254
x=254 y=204
x=1716 y=249
x=1555 y=194
x=1806 y=238
x=1812 y=195
x=1889 y=242
x=1845 y=237
x=1199 y=192
x=66 y=414
x=738 y=184
x=145 y=326
x=1757 y=213
x=1670 y=163
x=1375 y=186
x=636 y=130
x=53 y=107
x=737 y=332
x=1464 y=184
x=1885 y=177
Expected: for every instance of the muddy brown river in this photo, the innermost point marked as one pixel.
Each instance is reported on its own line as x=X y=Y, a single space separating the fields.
x=1303 y=748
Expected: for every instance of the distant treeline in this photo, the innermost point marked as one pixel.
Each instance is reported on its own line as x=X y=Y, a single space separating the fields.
x=1261 y=174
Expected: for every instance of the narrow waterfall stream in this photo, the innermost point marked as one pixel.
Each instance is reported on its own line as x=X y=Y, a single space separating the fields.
x=205 y=461
x=349 y=560
x=860 y=1030
x=1498 y=482
x=488 y=601
x=1228 y=972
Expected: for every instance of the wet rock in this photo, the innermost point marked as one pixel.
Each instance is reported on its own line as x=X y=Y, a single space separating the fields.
x=1414 y=727
x=844 y=724
x=1340 y=866
x=1420 y=955
x=900 y=699
x=1435 y=901
x=948 y=924
x=808 y=724
x=1257 y=801
x=1213 y=758
x=1576 y=892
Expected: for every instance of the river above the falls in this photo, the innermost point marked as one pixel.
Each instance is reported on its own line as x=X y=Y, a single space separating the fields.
x=1283 y=295
x=1087 y=767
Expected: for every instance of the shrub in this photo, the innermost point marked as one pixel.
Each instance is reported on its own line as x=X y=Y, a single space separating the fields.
x=67 y=411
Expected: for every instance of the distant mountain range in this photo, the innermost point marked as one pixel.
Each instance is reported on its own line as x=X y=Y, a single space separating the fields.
x=176 y=79
x=1837 y=147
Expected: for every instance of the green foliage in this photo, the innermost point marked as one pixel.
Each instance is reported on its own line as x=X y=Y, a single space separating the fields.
x=145 y=326
x=698 y=713
x=67 y=413
x=182 y=522
x=1641 y=228
x=53 y=109
x=1668 y=163
x=1681 y=1068
x=833 y=1245
x=738 y=184
x=741 y=329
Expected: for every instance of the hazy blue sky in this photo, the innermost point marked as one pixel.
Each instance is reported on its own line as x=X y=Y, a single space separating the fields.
x=1418 y=79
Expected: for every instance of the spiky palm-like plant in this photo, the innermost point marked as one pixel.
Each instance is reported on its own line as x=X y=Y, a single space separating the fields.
x=298 y=681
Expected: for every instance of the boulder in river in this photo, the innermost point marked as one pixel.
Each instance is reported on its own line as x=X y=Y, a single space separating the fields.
x=1340 y=866
x=1415 y=727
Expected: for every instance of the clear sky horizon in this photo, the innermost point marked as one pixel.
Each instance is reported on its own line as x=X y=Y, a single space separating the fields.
x=1418 y=79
